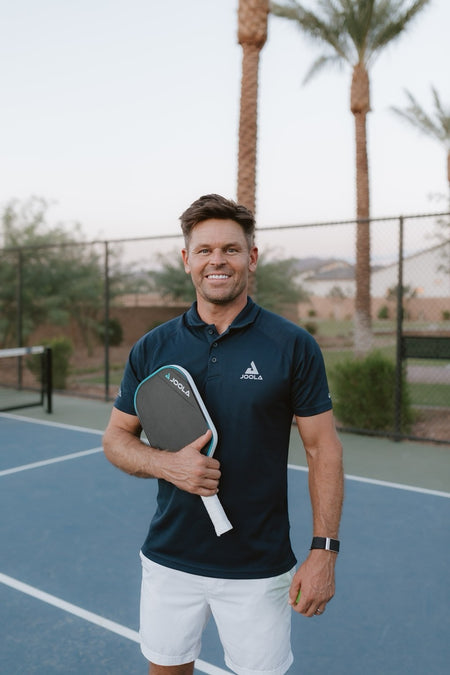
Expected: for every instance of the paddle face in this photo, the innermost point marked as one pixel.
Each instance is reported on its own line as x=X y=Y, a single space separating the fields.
x=171 y=410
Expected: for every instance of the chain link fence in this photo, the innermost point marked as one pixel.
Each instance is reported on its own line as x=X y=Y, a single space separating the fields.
x=98 y=298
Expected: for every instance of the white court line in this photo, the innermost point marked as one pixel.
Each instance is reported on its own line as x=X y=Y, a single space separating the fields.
x=360 y=479
x=53 y=460
x=399 y=486
x=58 y=425
x=383 y=483
x=96 y=619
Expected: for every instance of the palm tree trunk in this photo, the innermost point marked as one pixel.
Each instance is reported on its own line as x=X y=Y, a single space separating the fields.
x=360 y=106
x=252 y=35
x=246 y=187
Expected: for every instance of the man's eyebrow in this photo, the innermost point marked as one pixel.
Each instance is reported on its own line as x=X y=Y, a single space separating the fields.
x=236 y=244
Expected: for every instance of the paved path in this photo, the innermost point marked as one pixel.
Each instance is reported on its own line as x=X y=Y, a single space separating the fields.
x=429 y=374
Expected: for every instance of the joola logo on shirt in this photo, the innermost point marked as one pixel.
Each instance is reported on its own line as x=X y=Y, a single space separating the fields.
x=251 y=373
x=177 y=384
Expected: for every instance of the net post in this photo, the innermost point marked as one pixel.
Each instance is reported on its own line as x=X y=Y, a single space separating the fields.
x=19 y=303
x=49 y=378
x=106 y=321
x=399 y=336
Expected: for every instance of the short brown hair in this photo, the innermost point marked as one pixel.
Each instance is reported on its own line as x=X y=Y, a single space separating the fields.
x=216 y=206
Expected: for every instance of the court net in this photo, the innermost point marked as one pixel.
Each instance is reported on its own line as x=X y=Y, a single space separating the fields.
x=26 y=378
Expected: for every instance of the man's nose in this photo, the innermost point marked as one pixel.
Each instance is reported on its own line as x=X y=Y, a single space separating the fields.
x=218 y=257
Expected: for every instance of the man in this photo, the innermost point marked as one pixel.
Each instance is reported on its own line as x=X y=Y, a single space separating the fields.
x=254 y=370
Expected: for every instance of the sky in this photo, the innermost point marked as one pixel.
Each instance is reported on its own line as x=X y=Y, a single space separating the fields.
x=122 y=112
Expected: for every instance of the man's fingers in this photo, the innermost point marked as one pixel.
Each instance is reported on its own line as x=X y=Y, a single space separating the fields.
x=201 y=441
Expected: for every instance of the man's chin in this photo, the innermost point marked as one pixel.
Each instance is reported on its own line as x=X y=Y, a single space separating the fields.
x=221 y=298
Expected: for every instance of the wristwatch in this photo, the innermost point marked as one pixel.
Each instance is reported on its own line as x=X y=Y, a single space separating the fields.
x=326 y=543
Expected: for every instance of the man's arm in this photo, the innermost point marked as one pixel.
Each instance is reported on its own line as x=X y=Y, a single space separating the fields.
x=188 y=469
x=315 y=577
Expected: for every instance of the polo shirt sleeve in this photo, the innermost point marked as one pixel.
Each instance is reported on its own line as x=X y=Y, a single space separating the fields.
x=310 y=392
x=130 y=381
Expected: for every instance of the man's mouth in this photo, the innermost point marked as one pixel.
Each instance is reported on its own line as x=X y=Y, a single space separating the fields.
x=217 y=276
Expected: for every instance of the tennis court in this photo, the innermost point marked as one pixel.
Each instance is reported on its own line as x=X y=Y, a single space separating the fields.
x=72 y=525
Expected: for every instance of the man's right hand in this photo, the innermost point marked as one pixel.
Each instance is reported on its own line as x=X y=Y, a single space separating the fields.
x=190 y=470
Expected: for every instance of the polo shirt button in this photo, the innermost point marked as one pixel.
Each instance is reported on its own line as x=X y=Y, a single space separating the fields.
x=210 y=331
x=214 y=344
x=214 y=359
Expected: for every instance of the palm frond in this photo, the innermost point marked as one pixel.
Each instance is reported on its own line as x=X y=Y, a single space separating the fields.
x=319 y=64
x=415 y=114
x=355 y=29
x=390 y=20
x=327 y=29
x=442 y=115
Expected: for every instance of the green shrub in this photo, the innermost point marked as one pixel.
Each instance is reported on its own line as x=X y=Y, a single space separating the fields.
x=383 y=312
x=311 y=327
x=445 y=315
x=115 y=332
x=364 y=394
x=62 y=350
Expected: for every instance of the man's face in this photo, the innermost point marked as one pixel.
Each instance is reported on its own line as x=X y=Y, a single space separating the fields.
x=218 y=259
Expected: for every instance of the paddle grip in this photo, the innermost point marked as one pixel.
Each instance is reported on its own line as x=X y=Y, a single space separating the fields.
x=217 y=515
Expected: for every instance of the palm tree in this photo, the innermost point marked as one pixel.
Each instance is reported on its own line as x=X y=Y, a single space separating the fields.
x=436 y=126
x=354 y=32
x=252 y=35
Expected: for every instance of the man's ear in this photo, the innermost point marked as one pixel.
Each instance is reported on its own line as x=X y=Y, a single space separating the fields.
x=184 y=255
x=253 y=259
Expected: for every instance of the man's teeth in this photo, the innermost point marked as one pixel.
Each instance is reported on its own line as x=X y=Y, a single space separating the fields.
x=217 y=276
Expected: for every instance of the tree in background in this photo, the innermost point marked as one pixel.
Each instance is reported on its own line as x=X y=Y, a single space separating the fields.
x=252 y=35
x=408 y=293
x=48 y=275
x=436 y=125
x=277 y=285
x=354 y=32
x=170 y=279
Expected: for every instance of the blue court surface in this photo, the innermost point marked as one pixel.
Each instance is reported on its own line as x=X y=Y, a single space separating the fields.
x=71 y=528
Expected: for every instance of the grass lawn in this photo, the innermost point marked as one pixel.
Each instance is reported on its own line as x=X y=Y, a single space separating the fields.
x=430 y=394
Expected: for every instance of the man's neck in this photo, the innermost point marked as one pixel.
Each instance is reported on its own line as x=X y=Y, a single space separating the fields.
x=219 y=315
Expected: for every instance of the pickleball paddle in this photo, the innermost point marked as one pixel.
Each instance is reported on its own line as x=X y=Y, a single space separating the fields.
x=173 y=414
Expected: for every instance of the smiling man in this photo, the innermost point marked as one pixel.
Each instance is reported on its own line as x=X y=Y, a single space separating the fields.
x=255 y=371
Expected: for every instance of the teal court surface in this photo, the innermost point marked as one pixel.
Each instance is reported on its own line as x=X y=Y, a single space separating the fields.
x=71 y=528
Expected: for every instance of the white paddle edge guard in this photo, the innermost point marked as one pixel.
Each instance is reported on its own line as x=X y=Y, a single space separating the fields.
x=217 y=514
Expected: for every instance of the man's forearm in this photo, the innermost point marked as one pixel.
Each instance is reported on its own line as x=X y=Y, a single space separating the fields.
x=129 y=453
x=326 y=487
x=187 y=469
x=326 y=475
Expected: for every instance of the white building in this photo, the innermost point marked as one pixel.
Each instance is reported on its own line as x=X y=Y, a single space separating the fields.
x=423 y=272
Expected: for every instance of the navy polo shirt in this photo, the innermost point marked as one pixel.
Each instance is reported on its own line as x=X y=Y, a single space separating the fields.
x=253 y=378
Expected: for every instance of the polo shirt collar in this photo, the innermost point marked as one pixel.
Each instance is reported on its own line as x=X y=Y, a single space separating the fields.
x=246 y=317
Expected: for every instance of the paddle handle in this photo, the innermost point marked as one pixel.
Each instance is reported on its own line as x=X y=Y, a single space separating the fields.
x=217 y=515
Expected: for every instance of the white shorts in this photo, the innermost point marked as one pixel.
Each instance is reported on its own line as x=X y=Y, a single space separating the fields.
x=253 y=619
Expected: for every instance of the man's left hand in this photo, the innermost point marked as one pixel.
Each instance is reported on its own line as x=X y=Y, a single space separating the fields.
x=313 y=584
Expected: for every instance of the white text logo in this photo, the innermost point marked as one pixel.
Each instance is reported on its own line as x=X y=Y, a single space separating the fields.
x=251 y=373
x=175 y=383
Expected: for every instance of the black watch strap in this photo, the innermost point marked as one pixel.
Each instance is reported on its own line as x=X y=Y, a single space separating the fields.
x=326 y=543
